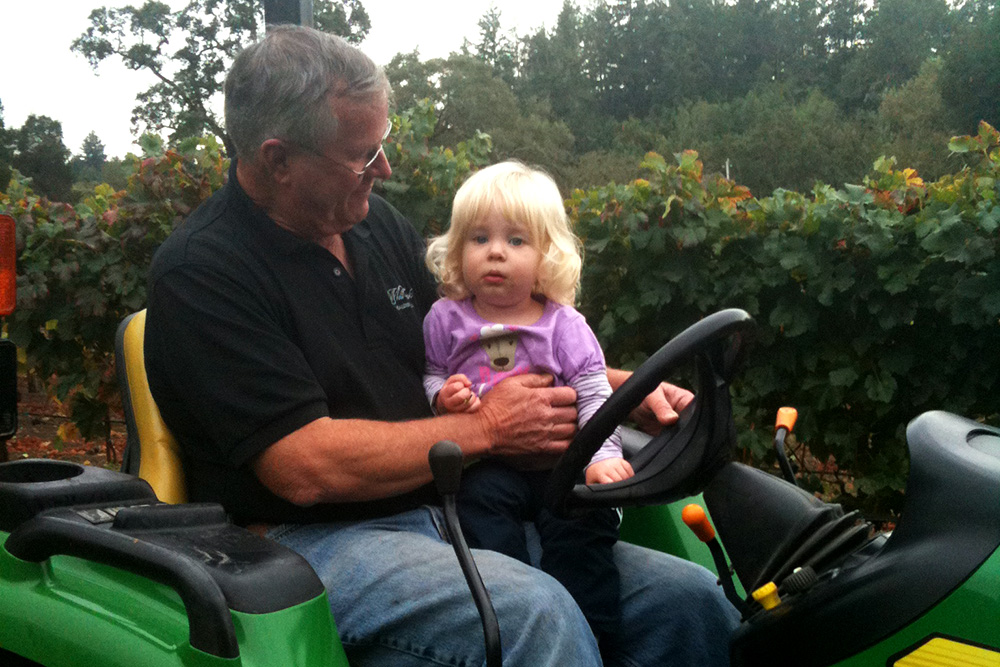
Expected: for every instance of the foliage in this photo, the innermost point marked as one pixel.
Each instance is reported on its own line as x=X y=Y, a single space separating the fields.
x=470 y=98
x=88 y=165
x=915 y=124
x=899 y=35
x=41 y=155
x=189 y=78
x=800 y=90
x=875 y=302
x=971 y=76
x=495 y=48
x=426 y=177
x=6 y=150
x=82 y=269
x=92 y=151
x=771 y=139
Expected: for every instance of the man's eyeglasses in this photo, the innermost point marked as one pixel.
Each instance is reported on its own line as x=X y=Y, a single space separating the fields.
x=364 y=170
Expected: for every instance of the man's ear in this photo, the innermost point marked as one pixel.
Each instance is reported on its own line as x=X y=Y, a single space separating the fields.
x=275 y=157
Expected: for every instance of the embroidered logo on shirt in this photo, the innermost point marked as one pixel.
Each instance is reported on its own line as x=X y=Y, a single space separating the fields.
x=400 y=297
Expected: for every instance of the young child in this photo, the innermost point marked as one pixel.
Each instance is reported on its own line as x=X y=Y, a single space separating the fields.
x=509 y=267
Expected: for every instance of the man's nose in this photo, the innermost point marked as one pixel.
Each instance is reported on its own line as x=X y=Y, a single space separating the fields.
x=380 y=168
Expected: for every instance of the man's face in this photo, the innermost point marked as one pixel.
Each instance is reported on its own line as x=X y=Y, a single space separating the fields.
x=326 y=196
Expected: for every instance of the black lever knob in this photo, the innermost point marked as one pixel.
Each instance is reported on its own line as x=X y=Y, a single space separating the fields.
x=445 y=458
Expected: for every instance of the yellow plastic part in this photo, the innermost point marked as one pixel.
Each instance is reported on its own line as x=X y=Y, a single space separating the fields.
x=767 y=595
x=159 y=453
x=786 y=418
x=942 y=652
x=694 y=518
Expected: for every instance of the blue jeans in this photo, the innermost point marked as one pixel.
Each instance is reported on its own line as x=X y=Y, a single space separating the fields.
x=494 y=503
x=399 y=599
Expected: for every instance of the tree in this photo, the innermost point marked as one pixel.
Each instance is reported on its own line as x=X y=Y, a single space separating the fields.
x=553 y=73
x=347 y=18
x=6 y=152
x=495 y=48
x=412 y=79
x=899 y=36
x=469 y=98
x=915 y=121
x=840 y=29
x=89 y=164
x=210 y=34
x=40 y=154
x=92 y=151
x=970 y=80
x=772 y=140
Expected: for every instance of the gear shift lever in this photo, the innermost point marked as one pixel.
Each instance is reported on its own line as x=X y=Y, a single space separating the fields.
x=445 y=458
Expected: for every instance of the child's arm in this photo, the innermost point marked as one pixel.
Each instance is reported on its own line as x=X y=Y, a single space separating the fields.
x=607 y=465
x=456 y=395
x=580 y=358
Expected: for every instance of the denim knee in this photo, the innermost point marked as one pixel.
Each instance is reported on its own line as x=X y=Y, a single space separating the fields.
x=540 y=622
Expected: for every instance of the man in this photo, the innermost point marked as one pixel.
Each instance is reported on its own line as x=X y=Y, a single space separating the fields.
x=284 y=349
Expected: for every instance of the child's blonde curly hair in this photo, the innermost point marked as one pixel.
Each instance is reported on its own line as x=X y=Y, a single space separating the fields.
x=524 y=195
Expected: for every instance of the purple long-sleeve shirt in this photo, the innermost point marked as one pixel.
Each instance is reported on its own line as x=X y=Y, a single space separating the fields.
x=458 y=340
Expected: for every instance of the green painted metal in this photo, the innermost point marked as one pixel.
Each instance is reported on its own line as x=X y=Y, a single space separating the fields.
x=68 y=612
x=969 y=614
x=660 y=527
x=303 y=635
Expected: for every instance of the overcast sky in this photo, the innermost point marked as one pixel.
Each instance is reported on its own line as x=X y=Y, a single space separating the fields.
x=40 y=75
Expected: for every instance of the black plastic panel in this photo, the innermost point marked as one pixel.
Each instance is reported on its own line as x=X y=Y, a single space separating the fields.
x=950 y=525
x=31 y=486
x=52 y=508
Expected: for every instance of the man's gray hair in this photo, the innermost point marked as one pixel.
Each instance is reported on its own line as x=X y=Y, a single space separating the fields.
x=281 y=87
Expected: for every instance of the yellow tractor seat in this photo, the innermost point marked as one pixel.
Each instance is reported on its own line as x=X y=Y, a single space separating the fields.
x=151 y=452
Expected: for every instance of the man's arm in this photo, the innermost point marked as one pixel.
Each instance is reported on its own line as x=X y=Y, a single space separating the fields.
x=339 y=460
x=660 y=408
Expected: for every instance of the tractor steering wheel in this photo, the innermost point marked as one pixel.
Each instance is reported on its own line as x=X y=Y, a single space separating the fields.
x=680 y=460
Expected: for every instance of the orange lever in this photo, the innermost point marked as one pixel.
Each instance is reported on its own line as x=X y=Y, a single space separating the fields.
x=786 y=418
x=695 y=519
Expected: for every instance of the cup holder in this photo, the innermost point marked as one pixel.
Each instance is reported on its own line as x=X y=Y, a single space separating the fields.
x=38 y=470
x=30 y=486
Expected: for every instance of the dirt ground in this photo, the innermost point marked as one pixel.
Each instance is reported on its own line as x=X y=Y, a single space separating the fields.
x=38 y=423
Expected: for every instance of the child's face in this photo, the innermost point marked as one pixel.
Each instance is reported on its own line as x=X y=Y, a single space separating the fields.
x=499 y=263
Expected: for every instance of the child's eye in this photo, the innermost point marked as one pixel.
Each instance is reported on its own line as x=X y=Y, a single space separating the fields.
x=479 y=239
x=516 y=241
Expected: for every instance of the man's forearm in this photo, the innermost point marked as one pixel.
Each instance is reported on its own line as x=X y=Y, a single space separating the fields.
x=342 y=460
x=345 y=460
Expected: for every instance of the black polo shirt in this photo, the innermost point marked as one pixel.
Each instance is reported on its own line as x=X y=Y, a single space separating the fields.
x=253 y=332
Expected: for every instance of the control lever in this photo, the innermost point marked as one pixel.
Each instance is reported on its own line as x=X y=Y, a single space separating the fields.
x=445 y=458
x=783 y=425
x=695 y=519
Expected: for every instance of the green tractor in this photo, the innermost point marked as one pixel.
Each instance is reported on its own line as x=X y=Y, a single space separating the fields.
x=96 y=569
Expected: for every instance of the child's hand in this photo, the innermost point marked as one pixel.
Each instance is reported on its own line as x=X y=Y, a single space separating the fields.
x=456 y=396
x=609 y=470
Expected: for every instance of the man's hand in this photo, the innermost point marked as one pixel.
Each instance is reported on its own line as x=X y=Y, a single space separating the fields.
x=608 y=470
x=660 y=408
x=456 y=396
x=525 y=416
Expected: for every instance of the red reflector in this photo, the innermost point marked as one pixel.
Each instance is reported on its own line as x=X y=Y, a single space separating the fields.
x=8 y=266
